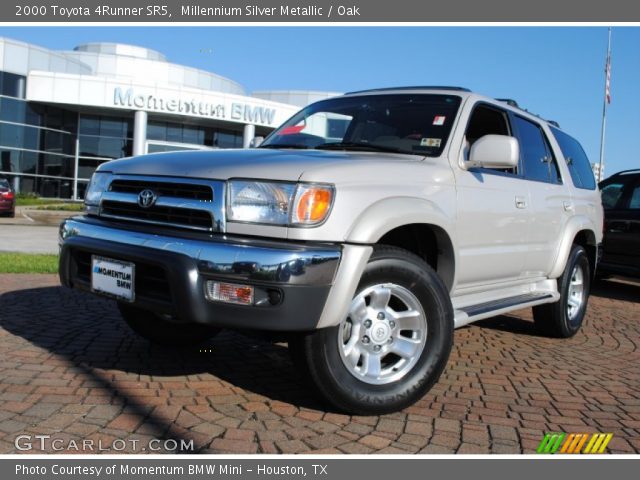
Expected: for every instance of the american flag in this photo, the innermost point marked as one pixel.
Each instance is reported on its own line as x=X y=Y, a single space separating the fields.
x=607 y=69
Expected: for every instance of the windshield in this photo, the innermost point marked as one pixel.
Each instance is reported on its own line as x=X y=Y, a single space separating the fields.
x=417 y=124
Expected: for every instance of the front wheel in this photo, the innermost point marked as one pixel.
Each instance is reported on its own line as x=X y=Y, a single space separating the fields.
x=394 y=343
x=564 y=318
x=162 y=331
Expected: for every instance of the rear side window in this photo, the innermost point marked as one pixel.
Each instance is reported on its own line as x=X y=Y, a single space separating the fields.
x=539 y=164
x=611 y=195
x=577 y=161
x=634 y=202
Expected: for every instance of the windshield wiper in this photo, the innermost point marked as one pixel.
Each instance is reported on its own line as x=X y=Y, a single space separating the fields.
x=286 y=145
x=366 y=147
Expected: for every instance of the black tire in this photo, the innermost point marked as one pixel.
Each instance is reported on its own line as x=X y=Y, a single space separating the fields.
x=320 y=351
x=553 y=319
x=161 y=331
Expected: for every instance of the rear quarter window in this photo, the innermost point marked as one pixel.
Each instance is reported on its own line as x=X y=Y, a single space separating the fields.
x=577 y=161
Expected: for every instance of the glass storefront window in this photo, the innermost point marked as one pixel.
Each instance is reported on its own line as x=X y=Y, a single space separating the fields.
x=86 y=167
x=227 y=140
x=193 y=134
x=12 y=85
x=21 y=111
x=106 y=126
x=105 y=147
x=157 y=131
x=89 y=125
x=36 y=163
x=33 y=138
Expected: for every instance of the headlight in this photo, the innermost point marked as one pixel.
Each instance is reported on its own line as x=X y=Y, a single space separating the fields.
x=278 y=203
x=98 y=184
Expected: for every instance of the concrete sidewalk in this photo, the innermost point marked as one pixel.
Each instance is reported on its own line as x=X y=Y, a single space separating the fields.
x=28 y=238
x=32 y=230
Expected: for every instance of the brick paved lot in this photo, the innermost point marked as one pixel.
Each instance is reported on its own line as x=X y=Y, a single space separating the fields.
x=70 y=368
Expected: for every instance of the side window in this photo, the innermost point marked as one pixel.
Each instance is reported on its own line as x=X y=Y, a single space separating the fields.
x=634 y=202
x=486 y=120
x=611 y=195
x=577 y=161
x=537 y=157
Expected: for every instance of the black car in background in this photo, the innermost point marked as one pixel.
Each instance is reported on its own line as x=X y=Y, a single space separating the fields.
x=621 y=244
x=7 y=199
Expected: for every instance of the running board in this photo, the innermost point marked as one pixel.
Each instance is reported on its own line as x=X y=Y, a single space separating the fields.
x=472 y=313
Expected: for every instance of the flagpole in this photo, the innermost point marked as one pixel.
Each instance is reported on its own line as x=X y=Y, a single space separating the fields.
x=605 y=101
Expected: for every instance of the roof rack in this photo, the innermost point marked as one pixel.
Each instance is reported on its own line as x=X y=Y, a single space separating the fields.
x=509 y=101
x=432 y=87
x=512 y=103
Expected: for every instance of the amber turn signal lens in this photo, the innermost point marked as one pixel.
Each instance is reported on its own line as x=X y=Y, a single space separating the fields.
x=313 y=204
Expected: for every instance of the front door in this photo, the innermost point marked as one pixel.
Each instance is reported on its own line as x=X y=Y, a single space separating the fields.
x=493 y=211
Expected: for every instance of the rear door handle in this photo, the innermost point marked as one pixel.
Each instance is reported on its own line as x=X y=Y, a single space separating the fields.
x=568 y=206
x=618 y=227
x=521 y=202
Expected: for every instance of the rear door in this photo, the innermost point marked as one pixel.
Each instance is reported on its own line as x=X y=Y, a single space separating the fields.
x=551 y=204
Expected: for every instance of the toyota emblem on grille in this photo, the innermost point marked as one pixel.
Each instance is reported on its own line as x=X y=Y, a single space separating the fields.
x=147 y=198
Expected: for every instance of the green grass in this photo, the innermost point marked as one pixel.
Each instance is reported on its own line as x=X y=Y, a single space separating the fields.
x=28 y=263
x=66 y=207
x=29 y=201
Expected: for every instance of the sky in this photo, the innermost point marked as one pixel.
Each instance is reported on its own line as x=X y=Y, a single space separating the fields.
x=555 y=72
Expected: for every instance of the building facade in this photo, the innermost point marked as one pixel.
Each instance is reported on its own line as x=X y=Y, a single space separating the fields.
x=63 y=113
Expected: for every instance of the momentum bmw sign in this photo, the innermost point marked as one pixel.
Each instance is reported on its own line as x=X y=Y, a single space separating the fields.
x=165 y=99
x=237 y=111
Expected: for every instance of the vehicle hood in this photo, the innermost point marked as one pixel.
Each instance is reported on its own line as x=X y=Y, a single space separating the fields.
x=272 y=164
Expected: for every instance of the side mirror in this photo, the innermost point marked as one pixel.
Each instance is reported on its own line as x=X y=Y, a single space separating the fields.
x=255 y=142
x=494 y=151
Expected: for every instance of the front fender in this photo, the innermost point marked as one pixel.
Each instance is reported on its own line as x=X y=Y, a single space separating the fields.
x=394 y=212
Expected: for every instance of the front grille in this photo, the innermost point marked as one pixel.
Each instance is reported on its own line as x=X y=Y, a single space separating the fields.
x=180 y=203
x=164 y=189
x=164 y=215
x=151 y=282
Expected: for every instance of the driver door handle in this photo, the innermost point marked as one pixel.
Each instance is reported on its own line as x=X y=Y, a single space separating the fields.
x=521 y=202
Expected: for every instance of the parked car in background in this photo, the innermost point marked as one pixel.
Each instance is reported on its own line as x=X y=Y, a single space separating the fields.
x=621 y=245
x=7 y=199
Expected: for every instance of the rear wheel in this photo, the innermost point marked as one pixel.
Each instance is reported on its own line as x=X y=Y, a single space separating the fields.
x=393 y=344
x=564 y=318
x=162 y=330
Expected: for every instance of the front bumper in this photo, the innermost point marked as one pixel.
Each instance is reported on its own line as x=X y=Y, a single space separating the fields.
x=171 y=273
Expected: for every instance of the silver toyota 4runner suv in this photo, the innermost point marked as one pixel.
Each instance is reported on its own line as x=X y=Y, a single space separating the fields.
x=367 y=227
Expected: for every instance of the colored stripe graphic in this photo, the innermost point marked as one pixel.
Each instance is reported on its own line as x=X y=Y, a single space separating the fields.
x=551 y=442
x=573 y=443
x=598 y=443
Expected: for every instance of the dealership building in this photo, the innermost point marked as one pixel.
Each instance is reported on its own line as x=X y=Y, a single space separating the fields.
x=63 y=113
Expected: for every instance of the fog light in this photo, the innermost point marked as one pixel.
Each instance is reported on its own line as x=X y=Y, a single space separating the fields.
x=229 y=293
